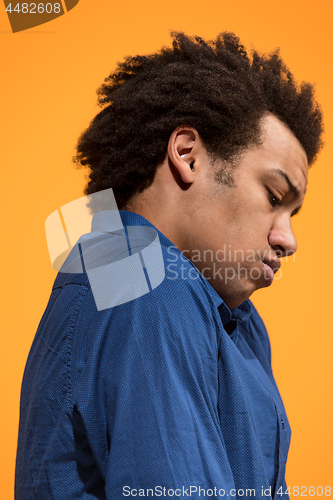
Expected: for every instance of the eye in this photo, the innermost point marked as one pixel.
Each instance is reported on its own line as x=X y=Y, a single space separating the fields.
x=274 y=200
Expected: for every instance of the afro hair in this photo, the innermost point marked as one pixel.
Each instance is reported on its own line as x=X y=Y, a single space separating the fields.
x=212 y=86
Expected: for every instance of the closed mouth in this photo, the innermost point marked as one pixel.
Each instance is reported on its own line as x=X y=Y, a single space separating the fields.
x=273 y=264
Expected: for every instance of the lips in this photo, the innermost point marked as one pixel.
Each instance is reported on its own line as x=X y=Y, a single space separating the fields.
x=273 y=264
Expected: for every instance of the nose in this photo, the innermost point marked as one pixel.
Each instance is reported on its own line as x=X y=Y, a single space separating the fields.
x=281 y=238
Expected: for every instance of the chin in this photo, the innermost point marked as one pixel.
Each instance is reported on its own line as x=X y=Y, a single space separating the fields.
x=239 y=296
x=264 y=283
x=237 y=290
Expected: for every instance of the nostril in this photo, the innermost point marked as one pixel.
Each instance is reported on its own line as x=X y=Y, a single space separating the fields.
x=279 y=250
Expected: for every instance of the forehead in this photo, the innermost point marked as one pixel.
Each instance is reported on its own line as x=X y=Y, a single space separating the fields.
x=281 y=149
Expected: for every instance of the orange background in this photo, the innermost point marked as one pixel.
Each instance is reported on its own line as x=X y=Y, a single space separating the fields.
x=50 y=74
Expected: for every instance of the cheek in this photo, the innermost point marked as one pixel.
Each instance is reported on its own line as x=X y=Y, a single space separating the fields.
x=245 y=212
x=248 y=239
x=251 y=223
x=240 y=220
x=234 y=213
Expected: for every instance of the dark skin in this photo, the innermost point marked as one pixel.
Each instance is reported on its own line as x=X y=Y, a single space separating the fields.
x=252 y=217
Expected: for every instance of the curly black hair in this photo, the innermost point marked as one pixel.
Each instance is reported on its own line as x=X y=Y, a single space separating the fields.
x=212 y=86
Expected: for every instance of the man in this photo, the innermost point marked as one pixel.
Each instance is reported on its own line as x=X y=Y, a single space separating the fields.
x=172 y=393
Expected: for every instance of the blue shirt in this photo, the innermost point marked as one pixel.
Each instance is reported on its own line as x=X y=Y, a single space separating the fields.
x=169 y=394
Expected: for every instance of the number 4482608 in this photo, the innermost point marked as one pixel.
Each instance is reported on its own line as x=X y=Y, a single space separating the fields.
x=304 y=491
x=34 y=8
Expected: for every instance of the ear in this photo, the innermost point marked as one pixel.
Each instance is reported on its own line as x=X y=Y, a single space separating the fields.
x=183 y=147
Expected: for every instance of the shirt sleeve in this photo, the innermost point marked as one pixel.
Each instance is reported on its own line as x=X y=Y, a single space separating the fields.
x=147 y=398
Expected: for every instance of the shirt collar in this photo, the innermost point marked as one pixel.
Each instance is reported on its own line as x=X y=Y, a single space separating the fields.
x=114 y=220
x=241 y=313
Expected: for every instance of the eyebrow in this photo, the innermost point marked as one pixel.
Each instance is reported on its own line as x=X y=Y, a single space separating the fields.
x=291 y=187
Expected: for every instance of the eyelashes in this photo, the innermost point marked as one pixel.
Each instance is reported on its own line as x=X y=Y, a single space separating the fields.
x=274 y=200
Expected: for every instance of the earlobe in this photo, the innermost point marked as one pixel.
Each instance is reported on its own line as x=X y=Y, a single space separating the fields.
x=182 y=152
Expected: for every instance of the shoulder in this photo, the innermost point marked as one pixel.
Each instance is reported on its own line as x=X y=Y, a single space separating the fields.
x=160 y=292
x=130 y=294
